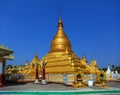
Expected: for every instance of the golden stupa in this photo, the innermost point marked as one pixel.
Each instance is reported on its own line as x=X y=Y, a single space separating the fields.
x=61 y=59
x=62 y=62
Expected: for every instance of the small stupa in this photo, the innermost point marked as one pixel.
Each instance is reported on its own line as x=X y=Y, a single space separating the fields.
x=108 y=73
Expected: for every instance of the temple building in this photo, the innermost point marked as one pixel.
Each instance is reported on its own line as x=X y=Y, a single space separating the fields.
x=63 y=65
x=5 y=54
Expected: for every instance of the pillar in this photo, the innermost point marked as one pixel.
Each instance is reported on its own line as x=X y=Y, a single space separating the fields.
x=4 y=65
x=1 y=72
x=43 y=75
x=36 y=77
x=1 y=80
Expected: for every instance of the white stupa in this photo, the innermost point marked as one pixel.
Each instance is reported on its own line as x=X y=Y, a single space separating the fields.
x=108 y=72
x=116 y=72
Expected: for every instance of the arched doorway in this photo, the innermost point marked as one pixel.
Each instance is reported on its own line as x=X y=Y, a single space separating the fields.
x=101 y=77
x=79 y=78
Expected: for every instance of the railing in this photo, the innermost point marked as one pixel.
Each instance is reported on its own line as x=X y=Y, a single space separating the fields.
x=17 y=77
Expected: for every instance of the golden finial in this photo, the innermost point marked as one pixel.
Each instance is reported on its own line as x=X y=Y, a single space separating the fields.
x=36 y=56
x=60 y=24
x=26 y=63
x=84 y=58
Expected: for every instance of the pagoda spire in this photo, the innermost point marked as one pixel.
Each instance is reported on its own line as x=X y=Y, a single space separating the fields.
x=60 y=41
x=60 y=24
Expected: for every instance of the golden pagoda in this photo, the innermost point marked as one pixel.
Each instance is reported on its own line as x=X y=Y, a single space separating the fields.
x=62 y=62
x=63 y=65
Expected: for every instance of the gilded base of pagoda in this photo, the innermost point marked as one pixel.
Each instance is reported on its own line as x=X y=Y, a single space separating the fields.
x=60 y=78
x=102 y=84
x=79 y=85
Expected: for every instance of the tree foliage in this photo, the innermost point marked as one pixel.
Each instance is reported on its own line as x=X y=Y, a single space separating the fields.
x=9 y=66
x=118 y=69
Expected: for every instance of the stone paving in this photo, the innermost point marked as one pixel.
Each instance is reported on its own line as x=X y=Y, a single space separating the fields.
x=31 y=87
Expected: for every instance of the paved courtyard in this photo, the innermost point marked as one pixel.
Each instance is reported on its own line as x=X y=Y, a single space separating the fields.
x=31 y=87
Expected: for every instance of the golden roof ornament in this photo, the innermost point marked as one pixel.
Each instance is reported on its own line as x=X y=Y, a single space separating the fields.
x=84 y=58
x=5 y=48
x=36 y=57
x=26 y=63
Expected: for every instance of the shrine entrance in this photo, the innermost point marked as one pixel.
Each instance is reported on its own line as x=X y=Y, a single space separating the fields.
x=101 y=77
x=78 y=79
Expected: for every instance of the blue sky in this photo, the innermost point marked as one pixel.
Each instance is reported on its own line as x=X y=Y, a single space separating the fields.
x=93 y=27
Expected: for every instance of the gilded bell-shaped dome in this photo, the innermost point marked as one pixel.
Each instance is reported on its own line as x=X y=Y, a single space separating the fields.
x=60 y=41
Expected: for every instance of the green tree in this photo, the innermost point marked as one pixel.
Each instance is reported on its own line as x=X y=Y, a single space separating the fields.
x=104 y=69
x=9 y=66
x=113 y=67
x=117 y=68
